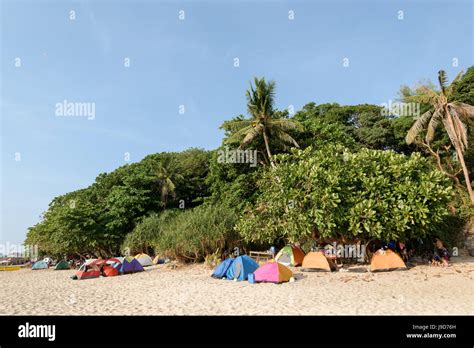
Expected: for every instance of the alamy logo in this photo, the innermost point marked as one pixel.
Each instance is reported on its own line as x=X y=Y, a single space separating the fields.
x=400 y=109
x=75 y=109
x=237 y=156
x=37 y=331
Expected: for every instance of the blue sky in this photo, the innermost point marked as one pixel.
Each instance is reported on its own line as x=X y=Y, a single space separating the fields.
x=190 y=62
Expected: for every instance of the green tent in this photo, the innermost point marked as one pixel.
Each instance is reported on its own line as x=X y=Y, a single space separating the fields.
x=62 y=265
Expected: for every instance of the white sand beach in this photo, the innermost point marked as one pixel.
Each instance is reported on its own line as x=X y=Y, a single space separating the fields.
x=189 y=290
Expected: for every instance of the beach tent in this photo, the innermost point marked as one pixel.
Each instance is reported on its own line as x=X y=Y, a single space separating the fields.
x=241 y=267
x=98 y=262
x=114 y=260
x=221 y=269
x=144 y=259
x=85 y=272
x=110 y=271
x=89 y=261
x=91 y=273
x=40 y=265
x=272 y=272
x=290 y=255
x=61 y=265
x=317 y=261
x=131 y=265
x=386 y=260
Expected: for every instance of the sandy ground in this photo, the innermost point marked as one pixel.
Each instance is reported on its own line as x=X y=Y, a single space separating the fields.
x=189 y=290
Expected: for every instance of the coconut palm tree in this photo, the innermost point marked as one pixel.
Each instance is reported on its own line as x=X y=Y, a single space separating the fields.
x=452 y=114
x=260 y=106
x=166 y=178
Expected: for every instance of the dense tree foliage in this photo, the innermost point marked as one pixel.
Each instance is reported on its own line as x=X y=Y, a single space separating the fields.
x=188 y=204
x=95 y=220
x=336 y=193
x=197 y=232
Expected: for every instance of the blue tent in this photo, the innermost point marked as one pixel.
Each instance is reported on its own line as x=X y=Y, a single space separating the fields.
x=131 y=265
x=40 y=265
x=221 y=270
x=241 y=267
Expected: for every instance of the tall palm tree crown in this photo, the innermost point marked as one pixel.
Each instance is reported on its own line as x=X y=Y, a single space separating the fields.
x=452 y=114
x=260 y=106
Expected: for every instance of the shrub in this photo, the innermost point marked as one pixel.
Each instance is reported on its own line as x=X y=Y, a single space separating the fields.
x=335 y=193
x=146 y=233
x=197 y=232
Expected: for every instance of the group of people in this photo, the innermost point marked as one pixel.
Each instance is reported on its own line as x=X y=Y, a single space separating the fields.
x=440 y=255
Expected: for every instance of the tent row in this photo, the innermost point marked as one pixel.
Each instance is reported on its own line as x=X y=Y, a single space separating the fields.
x=276 y=271
x=93 y=268
x=245 y=268
x=112 y=267
x=290 y=255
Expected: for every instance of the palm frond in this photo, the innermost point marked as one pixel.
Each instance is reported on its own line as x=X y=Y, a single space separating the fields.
x=236 y=125
x=251 y=135
x=451 y=133
x=443 y=80
x=454 y=83
x=419 y=125
x=461 y=130
x=435 y=120
x=425 y=96
x=237 y=136
x=285 y=137
x=286 y=124
x=463 y=110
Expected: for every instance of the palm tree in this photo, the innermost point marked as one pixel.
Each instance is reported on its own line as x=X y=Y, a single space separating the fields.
x=166 y=178
x=260 y=106
x=453 y=114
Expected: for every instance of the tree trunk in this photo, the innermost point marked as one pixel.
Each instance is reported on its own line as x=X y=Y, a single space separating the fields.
x=458 y=149
x=267 y=146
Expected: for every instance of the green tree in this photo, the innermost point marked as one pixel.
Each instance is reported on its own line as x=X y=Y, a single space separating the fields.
x=260 y=106
x=166 y=178
x=444 y=109
x=335 y=193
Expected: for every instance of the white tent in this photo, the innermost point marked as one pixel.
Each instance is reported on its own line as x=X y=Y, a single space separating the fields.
x=144 y=259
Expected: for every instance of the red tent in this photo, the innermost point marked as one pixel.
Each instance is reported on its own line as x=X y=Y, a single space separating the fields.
x=110 y=271
x=91 y=273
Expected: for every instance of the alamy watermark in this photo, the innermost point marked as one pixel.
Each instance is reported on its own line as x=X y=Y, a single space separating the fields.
x=400 y=109
x=73 y=109
x=18 y=250
x=346 y=251
x=237 y=156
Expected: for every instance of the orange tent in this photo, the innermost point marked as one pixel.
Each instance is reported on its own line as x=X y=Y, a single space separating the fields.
x=386 y=260
x=290 y=255
x=317 y=261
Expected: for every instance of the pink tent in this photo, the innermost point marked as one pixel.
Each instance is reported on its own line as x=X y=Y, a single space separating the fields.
x=273 y=272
